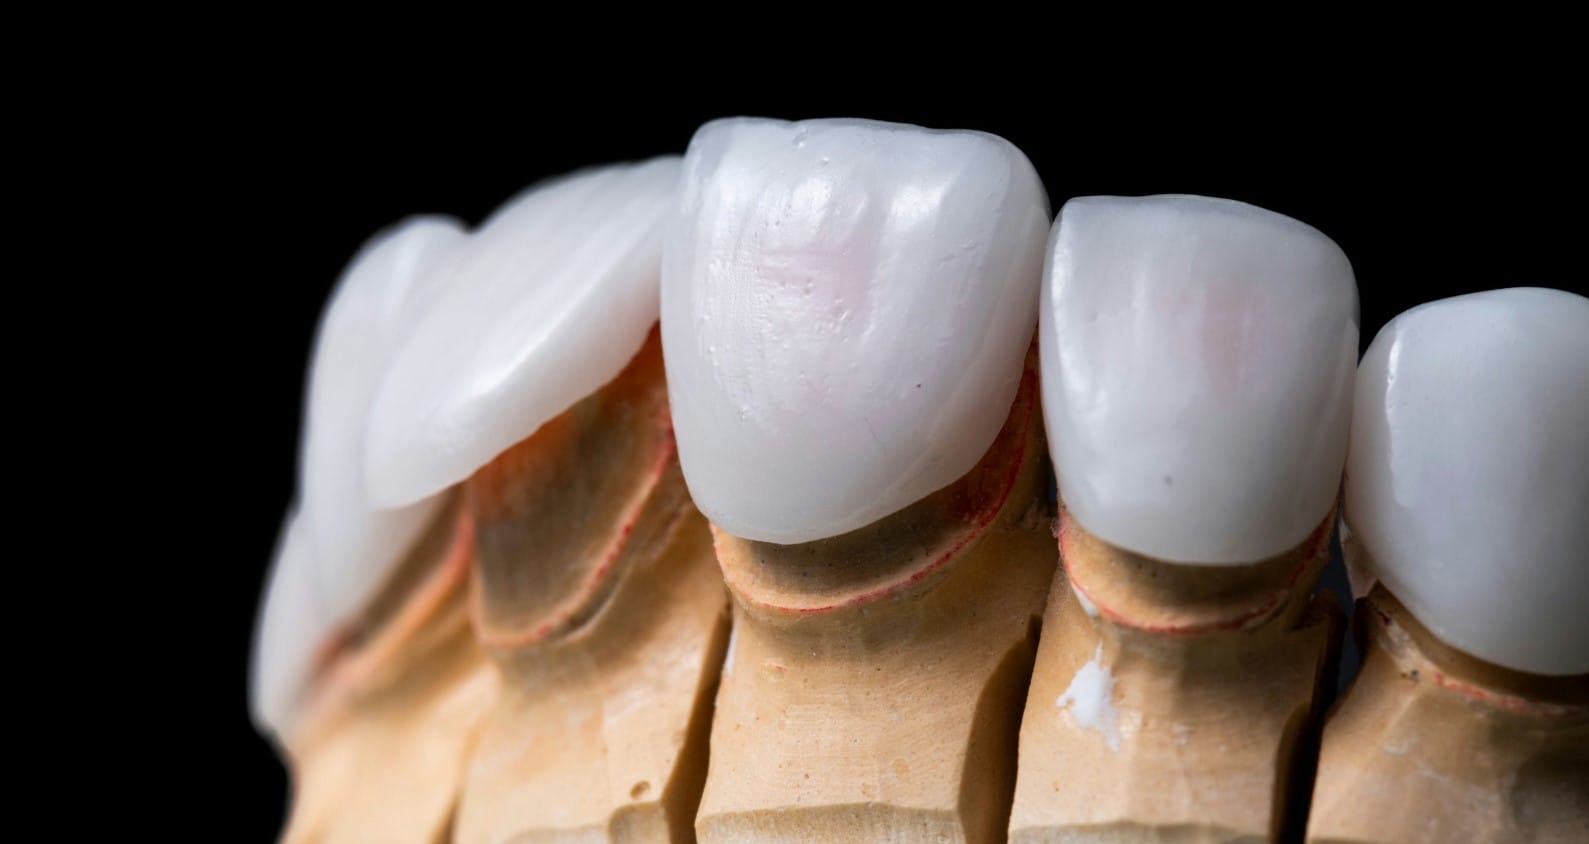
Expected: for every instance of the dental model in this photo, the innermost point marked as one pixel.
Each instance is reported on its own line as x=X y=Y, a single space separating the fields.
x=847 y=318
x=1467 y=498
x=1197 y=362
x=365 y=671
x=536 y=380
x=580 y=582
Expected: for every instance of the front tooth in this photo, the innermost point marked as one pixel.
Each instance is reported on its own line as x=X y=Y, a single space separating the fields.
x=845 y=309
x=388 y=286
x=551 y=298
x=1468 y=481
x=339 y=547
x=1197 y=369
x=847 y=318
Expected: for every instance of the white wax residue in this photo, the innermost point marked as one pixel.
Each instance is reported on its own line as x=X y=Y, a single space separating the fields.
x=733 y=640
x=1087 y=606
x=1089 y=697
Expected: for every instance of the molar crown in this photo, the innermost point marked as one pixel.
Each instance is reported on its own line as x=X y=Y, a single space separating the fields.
x=846 y=306
x=1197 y=359
x=1468 y=481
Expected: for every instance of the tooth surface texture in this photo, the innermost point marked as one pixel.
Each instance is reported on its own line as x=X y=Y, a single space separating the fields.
x=1468 y=481
x=338 y=548
x=543 y=305
x=846 y=306
x=1197 y=360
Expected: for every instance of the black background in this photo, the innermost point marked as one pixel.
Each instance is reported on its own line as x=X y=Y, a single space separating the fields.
x=1426 y=201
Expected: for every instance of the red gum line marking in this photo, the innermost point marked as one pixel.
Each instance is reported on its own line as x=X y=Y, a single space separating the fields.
x=592 y=584
x=1236 y=622
x=1025 y=396
x=1512 y=703
x=421 y=606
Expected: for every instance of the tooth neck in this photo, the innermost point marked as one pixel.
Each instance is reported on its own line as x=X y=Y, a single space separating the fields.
x=1477 y=752
x=1158 y=598
x=1450 y=671
x=562 y=515
x=869 y=571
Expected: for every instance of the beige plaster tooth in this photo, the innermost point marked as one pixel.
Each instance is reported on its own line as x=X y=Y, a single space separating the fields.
x=598 y=598
x=1169 y=702
x=1432 y=745
x=381 y=749
x=874 y=684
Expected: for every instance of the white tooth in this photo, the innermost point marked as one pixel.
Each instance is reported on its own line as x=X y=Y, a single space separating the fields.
x=390 y=283
x=846 y=305
x=1197 y=362
x=545 y=303
x=292 y=625
x=1468 y=482
x=338 y=548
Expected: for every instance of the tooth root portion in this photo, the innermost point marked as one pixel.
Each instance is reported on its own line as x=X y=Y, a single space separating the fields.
x=546 y=302
x=1197 y=368
x=599 y=596
x=385 y=738
x=340 y=548
x=1468 y=483
x=884 y=669
x=845 y=307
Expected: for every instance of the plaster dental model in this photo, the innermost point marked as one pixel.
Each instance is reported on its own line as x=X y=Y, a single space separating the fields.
x=1467 y=498
x=365 y=670
x=1197 y=374
x=543 y=666
x=536 y=380
x=847 y=316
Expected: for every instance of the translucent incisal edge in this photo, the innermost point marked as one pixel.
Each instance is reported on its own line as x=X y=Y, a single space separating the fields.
x=1468 y=480
x=1197 y=359
x=846 y=307
x=545 y=303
